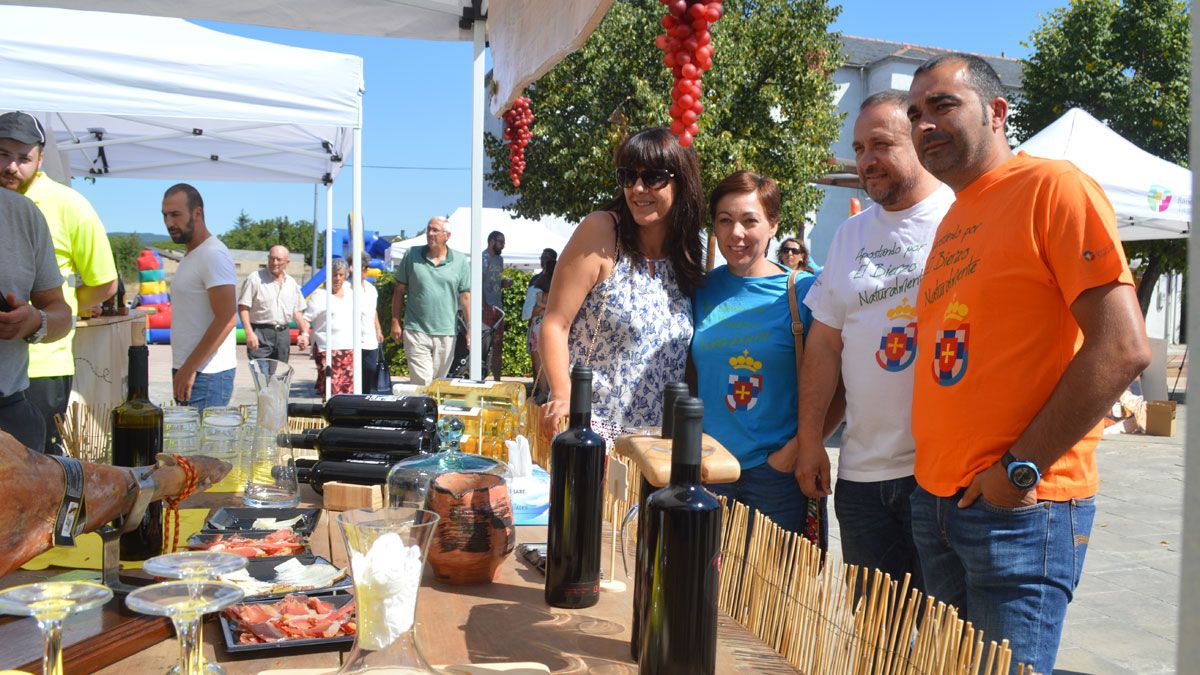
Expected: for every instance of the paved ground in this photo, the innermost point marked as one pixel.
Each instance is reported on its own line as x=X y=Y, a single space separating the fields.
x=1124 y=618
x=1125 y=615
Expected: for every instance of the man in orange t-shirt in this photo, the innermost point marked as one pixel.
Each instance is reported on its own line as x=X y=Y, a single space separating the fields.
x=1030 y=331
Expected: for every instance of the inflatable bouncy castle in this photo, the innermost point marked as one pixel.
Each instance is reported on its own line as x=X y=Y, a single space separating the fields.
x=152 y=294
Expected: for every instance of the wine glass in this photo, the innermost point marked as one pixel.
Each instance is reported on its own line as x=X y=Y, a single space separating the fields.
x=194 y=565
x=51 y=602
x=186 y=603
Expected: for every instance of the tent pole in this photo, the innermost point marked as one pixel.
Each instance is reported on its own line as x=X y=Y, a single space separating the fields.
x=328 y=281
x=312 y=269
x=1188 y=654
x=356 y=248
x=478 y=28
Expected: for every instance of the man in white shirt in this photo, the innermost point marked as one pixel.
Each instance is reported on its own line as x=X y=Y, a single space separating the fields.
x=864 y=328
x=203 y=305
x=269 y=301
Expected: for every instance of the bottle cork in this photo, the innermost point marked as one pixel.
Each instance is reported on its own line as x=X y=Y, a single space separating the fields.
x=138 y=334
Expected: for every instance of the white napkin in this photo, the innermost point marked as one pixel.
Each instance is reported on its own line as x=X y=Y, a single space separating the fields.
x=520 y=462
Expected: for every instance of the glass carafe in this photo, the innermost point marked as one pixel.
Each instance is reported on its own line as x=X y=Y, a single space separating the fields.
x=270 y=473
x=408 y=481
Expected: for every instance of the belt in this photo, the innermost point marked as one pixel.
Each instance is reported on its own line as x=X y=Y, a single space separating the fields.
x=269 y=326
x=10 y=399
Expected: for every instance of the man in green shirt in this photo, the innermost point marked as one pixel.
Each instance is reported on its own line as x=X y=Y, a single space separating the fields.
x=428 y=281
x=81 y=249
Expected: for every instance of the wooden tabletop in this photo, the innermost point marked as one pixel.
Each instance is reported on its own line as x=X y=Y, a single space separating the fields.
x=505 y=621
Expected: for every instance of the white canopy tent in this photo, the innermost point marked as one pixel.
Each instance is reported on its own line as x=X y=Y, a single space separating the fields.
x=527 y=36
x=150 y=97
x=1152 y=197
x=524 y=239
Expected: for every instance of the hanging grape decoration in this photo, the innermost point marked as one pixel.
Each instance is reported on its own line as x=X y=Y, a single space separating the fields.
x=687 y=51
x=516 y=131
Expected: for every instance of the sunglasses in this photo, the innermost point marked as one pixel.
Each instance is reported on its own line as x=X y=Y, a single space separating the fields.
x=653 y=179
x=790 y=250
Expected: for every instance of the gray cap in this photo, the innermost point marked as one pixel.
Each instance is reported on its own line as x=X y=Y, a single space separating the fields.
x=22 y=128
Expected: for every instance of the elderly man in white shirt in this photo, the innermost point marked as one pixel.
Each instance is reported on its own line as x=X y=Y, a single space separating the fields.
x=269 y=301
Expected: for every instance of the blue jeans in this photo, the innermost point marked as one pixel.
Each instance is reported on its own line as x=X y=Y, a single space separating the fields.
x=210 y=389
x=774 y=493
x=875 y=520
x=1011 y=572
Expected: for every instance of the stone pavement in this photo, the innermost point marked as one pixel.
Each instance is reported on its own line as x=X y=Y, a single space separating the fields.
x=1124 y=617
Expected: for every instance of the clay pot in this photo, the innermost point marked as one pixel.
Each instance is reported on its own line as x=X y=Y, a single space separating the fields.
x=476 y=531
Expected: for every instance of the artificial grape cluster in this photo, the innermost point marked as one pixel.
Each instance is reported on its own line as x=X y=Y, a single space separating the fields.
x=516 y=131
x=688 y=52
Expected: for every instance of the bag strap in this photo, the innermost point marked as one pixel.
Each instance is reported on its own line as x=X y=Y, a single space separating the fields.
x=797 y=324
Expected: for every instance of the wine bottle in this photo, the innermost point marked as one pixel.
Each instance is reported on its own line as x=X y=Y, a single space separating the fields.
x=319 y=472
x=576 y=503
x=683 y=541
x=137 y=437
x=386 y=444
x=641 y=569
x=378 y=410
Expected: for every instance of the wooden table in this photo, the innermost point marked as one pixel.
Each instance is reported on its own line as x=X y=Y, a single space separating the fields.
x=503 y=621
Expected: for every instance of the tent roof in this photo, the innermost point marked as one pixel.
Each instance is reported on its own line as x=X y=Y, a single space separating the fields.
x=523 y=239
x=528 y=36
x=171 y=99
x=1151 y=196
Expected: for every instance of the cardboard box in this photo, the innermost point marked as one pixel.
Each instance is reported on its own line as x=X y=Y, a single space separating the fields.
x=1160 y=418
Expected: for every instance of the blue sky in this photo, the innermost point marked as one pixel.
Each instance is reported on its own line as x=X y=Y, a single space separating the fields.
x=417 y=114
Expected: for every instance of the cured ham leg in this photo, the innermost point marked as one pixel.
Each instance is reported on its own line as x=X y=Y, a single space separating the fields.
x=32 y=487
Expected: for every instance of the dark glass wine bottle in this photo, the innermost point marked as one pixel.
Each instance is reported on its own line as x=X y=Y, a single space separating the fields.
x=576 y=503
x=641 y=569
x=683 y=541
x=137 y=432
x=379 y=410
x=319 y=472
x=386 y=444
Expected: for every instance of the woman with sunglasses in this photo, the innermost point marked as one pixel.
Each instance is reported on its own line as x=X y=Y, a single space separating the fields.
x=620 y=300
x=744 y=354
x=794 y=255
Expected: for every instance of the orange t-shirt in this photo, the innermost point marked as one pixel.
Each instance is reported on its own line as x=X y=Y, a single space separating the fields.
x=1014 y=251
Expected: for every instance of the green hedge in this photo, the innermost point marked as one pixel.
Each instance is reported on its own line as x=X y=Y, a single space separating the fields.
x=515 y=362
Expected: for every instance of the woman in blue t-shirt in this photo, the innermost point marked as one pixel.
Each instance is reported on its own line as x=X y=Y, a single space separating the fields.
x=744 y=355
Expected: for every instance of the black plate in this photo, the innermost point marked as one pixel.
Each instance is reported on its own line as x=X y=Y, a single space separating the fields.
x=263 y=569
x=231 y=519
x=230 y=631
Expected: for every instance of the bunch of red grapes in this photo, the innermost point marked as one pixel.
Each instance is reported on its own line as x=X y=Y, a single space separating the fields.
x=516 y=131
x=688 y=52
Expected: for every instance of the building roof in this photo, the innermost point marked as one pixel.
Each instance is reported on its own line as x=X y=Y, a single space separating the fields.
x=865 y=52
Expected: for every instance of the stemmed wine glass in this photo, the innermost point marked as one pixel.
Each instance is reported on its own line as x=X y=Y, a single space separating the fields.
x=186 y=603
x=50 y=603
x=195 y=567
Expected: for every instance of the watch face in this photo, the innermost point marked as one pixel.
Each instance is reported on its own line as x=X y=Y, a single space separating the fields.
x=1024 y=476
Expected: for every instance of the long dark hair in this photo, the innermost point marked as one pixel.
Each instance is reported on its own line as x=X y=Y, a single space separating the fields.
x=657 y=149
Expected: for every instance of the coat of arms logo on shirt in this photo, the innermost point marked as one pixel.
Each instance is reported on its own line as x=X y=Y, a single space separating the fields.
x=950 y=347
x=898 y=346
x=744 y=388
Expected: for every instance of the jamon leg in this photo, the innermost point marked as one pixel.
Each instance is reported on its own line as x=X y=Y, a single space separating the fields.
x=32 y=486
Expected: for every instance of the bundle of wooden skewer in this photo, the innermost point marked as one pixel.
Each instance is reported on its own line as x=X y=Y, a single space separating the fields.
x=84 y=431
x=824 y=616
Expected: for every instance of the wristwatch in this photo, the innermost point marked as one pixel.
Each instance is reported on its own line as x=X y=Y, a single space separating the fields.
x=39 y=334
x=1022 y=474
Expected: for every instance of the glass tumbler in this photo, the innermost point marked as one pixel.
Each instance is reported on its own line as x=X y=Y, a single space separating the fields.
x=220 y=438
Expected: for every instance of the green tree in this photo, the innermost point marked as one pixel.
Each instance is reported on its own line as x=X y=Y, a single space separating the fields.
x=1127 y=63
x=260 y=235
x=768 y=106
x=125 y=249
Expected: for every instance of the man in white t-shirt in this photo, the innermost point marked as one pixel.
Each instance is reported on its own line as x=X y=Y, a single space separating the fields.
x=864 y=328
x=203 y=305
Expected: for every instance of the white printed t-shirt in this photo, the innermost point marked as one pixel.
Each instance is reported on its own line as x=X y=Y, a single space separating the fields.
x=208 y=266
x=868 y=291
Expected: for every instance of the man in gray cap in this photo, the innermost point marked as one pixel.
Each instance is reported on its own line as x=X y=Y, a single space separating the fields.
x=81 y=248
